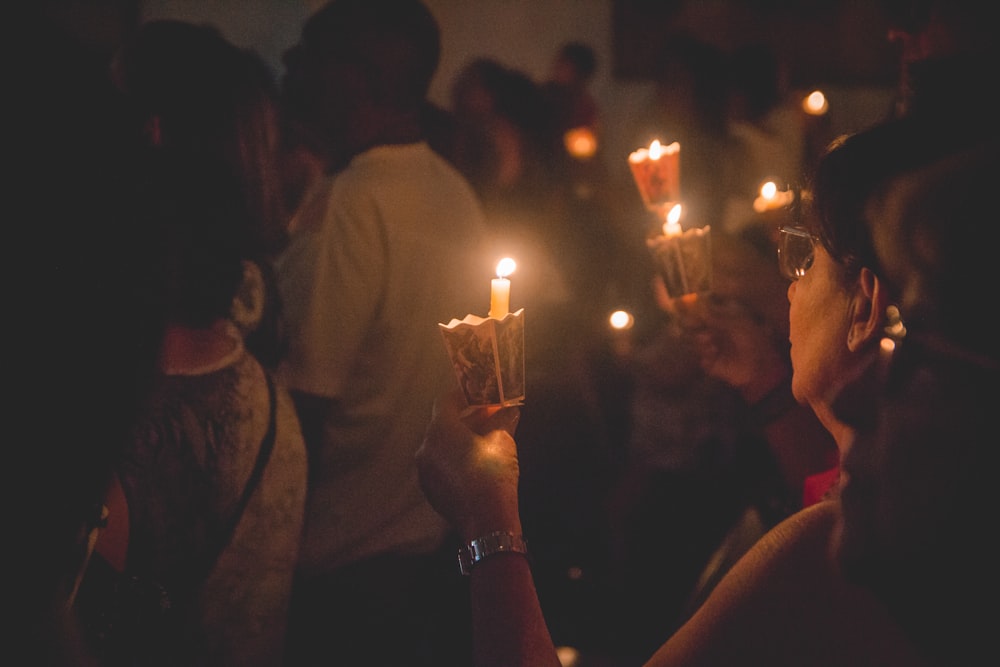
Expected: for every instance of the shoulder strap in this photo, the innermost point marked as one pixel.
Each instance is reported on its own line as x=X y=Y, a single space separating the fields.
x=263 y=456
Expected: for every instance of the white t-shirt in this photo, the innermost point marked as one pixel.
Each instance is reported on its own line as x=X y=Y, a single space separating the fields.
x=382 y=252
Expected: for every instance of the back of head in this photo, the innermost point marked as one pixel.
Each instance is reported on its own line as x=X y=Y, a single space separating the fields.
x=196 y=210
x=190 y=89
x=397 y=41
x=854 y=167
x=920 y=498
x=582 y=59
x=939 y=243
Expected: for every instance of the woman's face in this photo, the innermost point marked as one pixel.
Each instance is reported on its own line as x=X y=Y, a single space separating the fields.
x=818 y=320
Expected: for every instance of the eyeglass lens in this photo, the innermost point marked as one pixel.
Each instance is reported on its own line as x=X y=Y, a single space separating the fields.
x=795 y=252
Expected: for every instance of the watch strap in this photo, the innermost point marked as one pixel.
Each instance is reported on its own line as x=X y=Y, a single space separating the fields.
x=483 y=547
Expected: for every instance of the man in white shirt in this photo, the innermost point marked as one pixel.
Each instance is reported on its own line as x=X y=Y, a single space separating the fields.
x=388 y=243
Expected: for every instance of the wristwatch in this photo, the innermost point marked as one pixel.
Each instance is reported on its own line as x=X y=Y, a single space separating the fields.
x=487 y=545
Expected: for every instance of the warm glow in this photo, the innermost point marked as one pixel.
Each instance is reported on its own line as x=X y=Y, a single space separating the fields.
x=580 y=142
x=887 y=344
x=673 y=224
x=505 y=267
x=772 y=198
x=621 y=320
x=655 y=151
x=815 y=103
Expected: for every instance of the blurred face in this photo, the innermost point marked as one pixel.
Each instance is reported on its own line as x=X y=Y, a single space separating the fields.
x=318 y=92
x=818 y=320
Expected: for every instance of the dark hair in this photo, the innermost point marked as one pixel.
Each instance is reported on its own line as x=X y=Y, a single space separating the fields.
x=194 y=207
x=582 y=57
x=211 y=98
x=398 y=40
x=855 y=166
x=940 y=244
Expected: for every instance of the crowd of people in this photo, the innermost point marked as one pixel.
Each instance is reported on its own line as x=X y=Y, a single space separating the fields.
x=245 y=444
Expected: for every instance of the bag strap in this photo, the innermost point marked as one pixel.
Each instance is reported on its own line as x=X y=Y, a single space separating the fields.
x=263 y=456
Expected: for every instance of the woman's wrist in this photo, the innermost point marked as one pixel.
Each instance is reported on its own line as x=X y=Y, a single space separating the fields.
x=500 y=517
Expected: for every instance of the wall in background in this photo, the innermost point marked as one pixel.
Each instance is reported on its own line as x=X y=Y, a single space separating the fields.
x=847 y=48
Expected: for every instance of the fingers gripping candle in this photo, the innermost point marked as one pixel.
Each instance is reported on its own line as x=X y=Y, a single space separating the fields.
x=500 y=289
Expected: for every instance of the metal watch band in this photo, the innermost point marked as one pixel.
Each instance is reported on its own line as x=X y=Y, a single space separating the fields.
x=487 y=545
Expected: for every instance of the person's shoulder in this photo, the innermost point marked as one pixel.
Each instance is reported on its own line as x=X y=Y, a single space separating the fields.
x=795 y=549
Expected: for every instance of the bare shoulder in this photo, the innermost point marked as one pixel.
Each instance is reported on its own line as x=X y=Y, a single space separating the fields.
x=785 y=603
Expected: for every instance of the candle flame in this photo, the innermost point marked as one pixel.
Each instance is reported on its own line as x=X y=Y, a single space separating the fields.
x=505 y=267
x=580 y=142
x=768 y=190
x=672 y=225
x=621 y=320
x=815 y=103
x=655 y=150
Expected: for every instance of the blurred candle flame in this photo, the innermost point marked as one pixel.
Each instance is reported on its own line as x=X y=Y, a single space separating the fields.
x=672 y=226
x=771 y=198
x=621 y=320
x=815 y=103
x=580 y=142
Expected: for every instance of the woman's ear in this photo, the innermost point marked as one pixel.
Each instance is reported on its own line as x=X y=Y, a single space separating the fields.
x=867 y=310
x=247 y=308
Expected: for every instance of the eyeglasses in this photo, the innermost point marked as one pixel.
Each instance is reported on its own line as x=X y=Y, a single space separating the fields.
x=795 y=251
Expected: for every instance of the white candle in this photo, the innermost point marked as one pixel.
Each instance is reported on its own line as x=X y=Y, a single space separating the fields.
x=500 y=289
x=672 y=227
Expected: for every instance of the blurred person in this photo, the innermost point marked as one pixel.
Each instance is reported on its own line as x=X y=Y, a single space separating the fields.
x=80 y=342
x=205 y=512
x=190 y=89
x=785 y=601
x=947 y=52
x=390 y=242
x=689 y=105
x=202 y=105
x=916 y=494
x=567 y=88
x=767 y=133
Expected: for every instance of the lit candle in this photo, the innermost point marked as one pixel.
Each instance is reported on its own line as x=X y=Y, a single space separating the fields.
x=672 y=227
x=500 y=289
x=580 y=142
x=815 y=103
x=771 y=198
x=656 y=171
x=621 y=320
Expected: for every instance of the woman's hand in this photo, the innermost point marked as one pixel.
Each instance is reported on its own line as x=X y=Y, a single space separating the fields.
x=468 y=466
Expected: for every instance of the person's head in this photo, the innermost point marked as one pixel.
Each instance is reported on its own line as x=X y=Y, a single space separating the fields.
x=193 y=90
x=575 y=65
x=838 y=301
x=194 y=206
x=918 y=500
x=755 y=82
x=360 y=74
